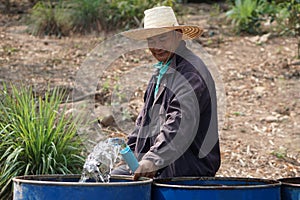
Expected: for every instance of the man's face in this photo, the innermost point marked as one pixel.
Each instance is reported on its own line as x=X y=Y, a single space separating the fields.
x=163 y=46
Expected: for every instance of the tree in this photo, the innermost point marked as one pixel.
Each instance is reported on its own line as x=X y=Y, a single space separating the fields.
x=7 y=6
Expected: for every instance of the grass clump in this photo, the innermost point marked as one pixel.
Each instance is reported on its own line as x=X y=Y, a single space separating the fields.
x=36 y=137
x=50 y=18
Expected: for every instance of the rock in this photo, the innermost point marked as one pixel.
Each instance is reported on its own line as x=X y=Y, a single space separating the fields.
x=283 y=110
x=264 y=38
x=271 y=119
x=284 y=118
x=283 y=63
x=260 y=39
x=107 y=121
x=105 y=116
x=259 y=89
x=254 y=39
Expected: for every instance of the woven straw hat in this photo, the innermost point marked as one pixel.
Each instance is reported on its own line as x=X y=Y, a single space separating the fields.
x=159 y=20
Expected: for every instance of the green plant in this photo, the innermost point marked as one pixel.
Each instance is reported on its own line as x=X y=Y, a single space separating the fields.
x=280 y=16
x=50 y=18
x=9 y=49
x=238 y=113
x=106 y=86
x=294 y=20
x=36 y=137
x=87 y=15
x=126 y=114
x=215 y=11
x=246 y=15
x=287 y=17
x=280 y=153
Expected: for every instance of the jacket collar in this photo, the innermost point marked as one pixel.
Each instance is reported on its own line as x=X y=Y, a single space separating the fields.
x=176 y=59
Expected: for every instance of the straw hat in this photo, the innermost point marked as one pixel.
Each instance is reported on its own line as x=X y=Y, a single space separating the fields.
x=160 y=20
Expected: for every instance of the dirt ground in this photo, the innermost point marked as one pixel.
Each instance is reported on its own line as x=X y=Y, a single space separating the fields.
x=260 y=128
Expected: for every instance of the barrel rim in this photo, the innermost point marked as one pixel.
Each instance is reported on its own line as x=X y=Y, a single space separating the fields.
x=269 y=183
x=289 y=181
x=38 y=180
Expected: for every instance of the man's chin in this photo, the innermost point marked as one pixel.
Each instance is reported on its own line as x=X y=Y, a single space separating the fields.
x=161 y=59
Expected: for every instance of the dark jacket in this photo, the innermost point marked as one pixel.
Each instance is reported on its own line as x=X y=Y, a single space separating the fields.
x=177 y=129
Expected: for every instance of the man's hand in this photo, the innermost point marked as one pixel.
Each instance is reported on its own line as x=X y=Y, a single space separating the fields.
x=146 y=169
x=122 y=162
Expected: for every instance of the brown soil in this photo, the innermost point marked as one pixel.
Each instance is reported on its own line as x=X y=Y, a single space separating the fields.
x=260 y=132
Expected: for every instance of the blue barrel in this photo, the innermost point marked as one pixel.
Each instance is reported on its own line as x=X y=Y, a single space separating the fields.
x=290 y=188
x=67 y=187
x=215 y=188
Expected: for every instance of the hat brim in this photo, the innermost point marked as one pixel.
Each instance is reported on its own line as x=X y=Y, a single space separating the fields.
x=188 y=32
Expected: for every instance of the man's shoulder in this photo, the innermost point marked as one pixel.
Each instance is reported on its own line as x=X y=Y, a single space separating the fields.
x=191 y=64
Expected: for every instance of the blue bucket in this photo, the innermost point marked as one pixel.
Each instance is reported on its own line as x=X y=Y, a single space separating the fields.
x=290 y=188
x=215 y=188
x=57 y=187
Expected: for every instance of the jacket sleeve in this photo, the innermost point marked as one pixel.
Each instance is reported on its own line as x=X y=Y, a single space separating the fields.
x=182 y=116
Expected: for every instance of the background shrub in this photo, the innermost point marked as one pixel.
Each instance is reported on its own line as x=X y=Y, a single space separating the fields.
x=86 y=15
x=63 y=17
x=246 y=15
x=50 y=18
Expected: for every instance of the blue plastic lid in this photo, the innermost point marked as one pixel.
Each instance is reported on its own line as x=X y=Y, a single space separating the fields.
x=125 y=150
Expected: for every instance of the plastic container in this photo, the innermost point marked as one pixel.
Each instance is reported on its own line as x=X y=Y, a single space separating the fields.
x=126 y=153
x=290 y=188
x=61 y=187
x=129 y=158
x=214 y=188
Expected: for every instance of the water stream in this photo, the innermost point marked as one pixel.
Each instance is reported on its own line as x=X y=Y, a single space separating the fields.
x=101 y=160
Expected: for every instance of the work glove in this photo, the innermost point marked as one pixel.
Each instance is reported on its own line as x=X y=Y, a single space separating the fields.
x=146 y=169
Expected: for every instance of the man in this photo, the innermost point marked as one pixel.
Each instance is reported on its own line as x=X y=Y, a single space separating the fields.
x=176 y=132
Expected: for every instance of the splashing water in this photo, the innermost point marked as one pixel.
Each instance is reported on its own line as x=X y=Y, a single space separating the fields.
x=101 y=160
